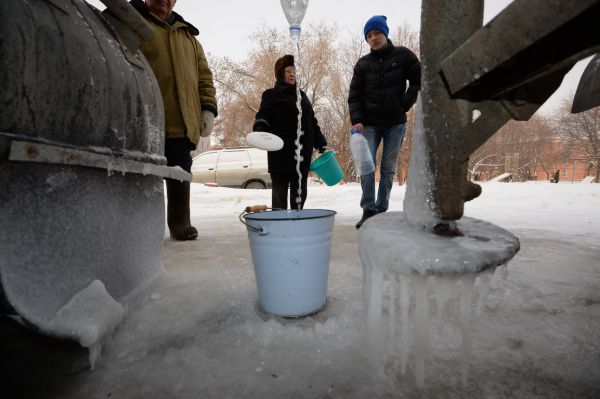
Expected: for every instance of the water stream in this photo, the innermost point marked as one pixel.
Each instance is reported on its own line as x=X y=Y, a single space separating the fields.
x=299 y=132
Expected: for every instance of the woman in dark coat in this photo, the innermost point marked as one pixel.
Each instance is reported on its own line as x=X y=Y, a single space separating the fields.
x=278 y=114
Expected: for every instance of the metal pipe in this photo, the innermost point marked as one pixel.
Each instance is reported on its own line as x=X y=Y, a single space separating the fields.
x=130 y=17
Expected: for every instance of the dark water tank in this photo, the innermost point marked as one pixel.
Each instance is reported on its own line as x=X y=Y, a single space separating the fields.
x=78 y=103
x=66 y=77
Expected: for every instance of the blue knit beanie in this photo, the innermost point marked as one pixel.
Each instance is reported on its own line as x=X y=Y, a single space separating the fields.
x=378 y=22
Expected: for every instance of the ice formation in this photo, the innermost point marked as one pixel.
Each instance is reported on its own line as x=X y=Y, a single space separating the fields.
x=87 y=318
x=410 y=274
x=418 y=207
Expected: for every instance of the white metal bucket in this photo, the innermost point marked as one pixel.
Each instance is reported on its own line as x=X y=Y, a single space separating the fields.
x=290 y=252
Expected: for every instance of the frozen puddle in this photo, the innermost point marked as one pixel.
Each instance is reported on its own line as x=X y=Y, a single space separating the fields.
x=406 y=270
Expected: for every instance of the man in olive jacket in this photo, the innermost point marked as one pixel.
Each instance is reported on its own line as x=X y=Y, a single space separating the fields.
x=189 y=97
x=378 y=101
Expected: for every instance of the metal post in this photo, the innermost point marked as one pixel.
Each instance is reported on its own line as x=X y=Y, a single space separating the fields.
x=518 y=77
x=447 y=131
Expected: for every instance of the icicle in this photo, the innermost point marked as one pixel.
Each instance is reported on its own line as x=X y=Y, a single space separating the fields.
x=404 y=305
x=452 y=264
x=484 y=288
x=392 y=306
x=366 y=287
x=504 y=271
x=374 y=317
x=466 y=300
x=421 y=330
x=445 y=289
x=94 y=354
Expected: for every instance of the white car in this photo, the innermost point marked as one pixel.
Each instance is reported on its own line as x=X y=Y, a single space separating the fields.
x=244 y=167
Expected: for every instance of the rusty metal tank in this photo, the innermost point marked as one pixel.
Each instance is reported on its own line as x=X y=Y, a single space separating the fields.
x=81 y=165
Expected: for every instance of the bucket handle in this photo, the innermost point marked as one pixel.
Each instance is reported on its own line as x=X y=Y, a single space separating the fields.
x=254 y=209
x=328 y=149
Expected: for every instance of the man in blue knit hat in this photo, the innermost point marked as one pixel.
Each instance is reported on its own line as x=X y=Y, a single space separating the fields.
x=378 y=101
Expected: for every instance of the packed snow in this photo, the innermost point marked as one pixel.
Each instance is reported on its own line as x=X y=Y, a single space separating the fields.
x=198 y=331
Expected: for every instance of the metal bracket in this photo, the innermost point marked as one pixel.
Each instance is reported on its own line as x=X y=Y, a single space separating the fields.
x=25 y=151
x=529 y=41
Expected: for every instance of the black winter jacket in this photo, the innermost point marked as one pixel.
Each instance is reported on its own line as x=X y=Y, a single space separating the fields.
x=378 y=95
x=278 y=115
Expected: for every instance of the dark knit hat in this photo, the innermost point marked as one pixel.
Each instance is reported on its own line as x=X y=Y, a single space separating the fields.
x=280 y=65
x=378 y=22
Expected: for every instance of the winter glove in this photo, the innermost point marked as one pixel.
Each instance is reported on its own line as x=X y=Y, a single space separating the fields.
x=207 y=123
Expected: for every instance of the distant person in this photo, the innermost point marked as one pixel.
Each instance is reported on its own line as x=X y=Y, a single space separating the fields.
x=556 y=176
x=378 y=101
x=278 y=114
x=189 y=97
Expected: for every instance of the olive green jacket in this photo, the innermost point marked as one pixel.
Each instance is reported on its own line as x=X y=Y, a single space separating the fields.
x=182 y=72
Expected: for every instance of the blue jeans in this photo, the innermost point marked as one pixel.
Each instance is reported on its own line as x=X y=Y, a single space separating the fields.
x=392 y=137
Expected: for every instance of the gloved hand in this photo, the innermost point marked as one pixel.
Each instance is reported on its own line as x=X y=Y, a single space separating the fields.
x=207 y=123
x=260 y=126
x=322 y=150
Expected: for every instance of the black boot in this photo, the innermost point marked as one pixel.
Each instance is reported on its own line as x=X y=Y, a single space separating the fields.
x=178 y=211
x=366 y=214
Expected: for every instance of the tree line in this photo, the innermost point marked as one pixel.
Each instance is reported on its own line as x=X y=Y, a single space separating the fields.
x=327 y=59
x=539 y=144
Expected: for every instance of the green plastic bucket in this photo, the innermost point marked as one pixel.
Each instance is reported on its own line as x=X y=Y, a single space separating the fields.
x=327 y=168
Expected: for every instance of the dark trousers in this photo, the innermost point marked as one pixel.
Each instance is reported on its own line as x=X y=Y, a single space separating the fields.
x=281 y=182
x=177 y=152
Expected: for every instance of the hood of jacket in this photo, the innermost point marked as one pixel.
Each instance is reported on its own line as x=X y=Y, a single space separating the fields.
x=144 y=10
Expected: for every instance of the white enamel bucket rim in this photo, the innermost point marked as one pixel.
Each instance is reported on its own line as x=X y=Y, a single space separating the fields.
x=292 y=214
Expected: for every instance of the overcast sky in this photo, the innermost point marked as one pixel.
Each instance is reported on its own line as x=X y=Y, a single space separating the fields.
x=225 y=25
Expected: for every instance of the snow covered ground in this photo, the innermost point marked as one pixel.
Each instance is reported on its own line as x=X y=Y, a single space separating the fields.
x=198 y=332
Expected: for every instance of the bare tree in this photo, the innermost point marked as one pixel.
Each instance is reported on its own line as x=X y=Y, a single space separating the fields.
x=519 y=148
x=338 y=117
x=325 y=69
x=240 y=84
x=409 y=38
x=581 y=133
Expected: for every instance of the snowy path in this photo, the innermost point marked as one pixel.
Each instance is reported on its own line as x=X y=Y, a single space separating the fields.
x=197 y=331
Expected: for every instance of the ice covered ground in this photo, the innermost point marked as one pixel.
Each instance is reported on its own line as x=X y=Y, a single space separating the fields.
x=197 y=332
